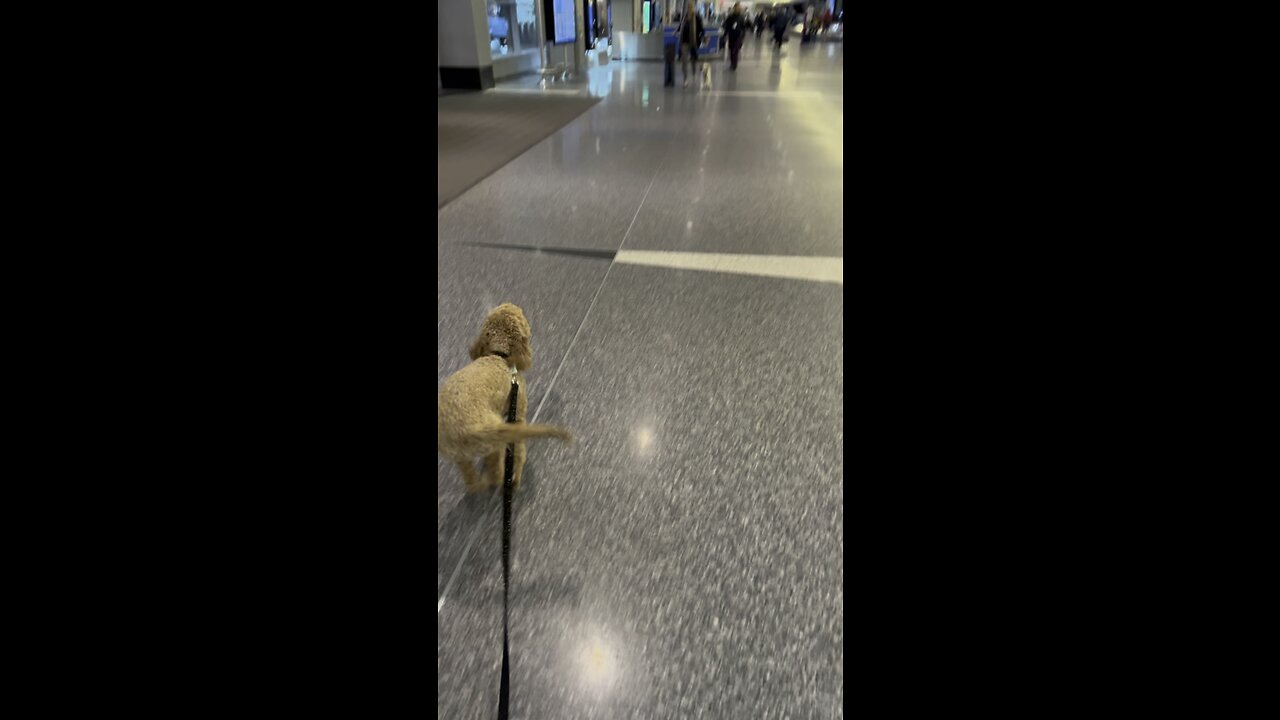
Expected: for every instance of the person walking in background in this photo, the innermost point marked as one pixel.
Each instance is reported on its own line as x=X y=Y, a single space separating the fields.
x=735 y=31
x=689 y=36
x=780 y=28
x=759 y=23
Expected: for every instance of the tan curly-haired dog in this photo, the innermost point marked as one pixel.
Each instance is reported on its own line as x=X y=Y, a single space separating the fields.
x=472 y=411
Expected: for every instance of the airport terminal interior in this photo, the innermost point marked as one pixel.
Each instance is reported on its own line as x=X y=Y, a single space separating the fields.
x=677 y=250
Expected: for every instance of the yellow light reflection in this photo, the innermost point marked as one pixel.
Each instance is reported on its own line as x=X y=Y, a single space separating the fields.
x=644 y=438
x=598 y=664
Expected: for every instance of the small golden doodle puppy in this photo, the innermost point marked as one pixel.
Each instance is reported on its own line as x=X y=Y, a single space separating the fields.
x=472 y=412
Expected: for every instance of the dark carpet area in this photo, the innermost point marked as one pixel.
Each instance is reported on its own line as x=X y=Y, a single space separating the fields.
x=480 y=132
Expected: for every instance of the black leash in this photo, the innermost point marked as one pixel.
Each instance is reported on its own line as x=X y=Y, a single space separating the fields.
x=507 y=473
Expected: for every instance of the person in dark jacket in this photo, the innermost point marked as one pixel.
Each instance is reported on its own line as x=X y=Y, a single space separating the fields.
x=690 y=37
x=735 y=31
x=759 y=23
x=780 y=27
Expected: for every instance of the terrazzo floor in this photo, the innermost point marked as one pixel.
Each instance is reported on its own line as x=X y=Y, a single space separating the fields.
x=684 y=557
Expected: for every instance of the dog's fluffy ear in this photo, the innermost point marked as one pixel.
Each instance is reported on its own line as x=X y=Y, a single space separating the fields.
x=478 y=347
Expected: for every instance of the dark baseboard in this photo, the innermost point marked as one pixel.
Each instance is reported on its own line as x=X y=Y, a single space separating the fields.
x=467 y=78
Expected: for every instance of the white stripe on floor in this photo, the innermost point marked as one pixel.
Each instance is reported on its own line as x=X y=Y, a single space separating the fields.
x=817 y=269
x=767 y=93
x=538 y=91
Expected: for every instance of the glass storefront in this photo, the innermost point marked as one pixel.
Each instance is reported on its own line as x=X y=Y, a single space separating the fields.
x=650 y=15
x=513 y=27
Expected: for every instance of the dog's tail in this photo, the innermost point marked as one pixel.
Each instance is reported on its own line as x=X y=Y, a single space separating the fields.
x=516 y=432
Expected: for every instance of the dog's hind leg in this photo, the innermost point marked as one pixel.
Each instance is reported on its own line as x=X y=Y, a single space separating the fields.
x=493 y=467
x=519 y=465
x=469 y=476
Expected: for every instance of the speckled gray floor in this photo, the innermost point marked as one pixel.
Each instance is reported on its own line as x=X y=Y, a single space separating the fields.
x=684 y=558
